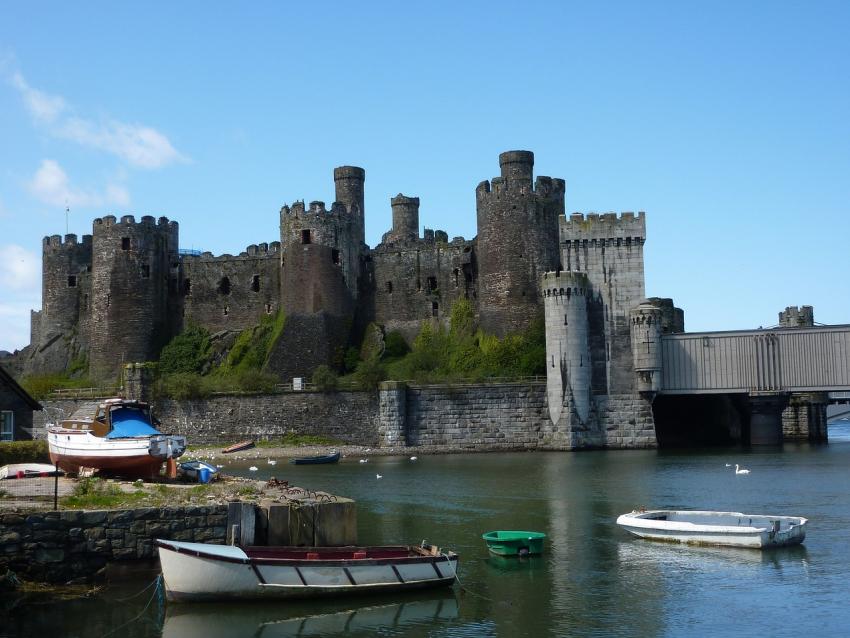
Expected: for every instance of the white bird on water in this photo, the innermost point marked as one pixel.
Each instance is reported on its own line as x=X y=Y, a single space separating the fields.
x=378 y=476
x=728 y=465
x=741 y=470
x=253 y=468
x=413 y=458
x=271 y=461
x=364 y=460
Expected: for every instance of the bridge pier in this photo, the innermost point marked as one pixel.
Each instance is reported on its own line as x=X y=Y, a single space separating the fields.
x=766 y=418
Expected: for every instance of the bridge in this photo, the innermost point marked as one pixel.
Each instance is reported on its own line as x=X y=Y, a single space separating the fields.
x=768 y=365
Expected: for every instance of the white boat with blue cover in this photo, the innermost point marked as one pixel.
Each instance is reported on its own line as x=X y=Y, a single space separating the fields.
x=201 y=571
x=731 y=529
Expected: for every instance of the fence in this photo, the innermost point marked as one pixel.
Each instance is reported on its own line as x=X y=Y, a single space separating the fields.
x=85 y=393
x=28 y=487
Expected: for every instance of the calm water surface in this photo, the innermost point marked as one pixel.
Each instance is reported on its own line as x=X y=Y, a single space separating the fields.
x=593 y=580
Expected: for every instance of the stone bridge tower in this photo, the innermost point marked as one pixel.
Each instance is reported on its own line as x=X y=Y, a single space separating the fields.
x=517 y=241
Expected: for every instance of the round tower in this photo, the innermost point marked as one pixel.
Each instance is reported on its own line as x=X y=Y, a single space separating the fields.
x=64 y=268
x=405 y=217
x=568 y=363
x=646 y=327
x=517 y=241
x=348 y=183
x=131 y=272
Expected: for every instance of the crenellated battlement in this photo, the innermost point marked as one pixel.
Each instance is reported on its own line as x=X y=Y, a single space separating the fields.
x=625 y=228
x=163 y=224
x=544 y=187
x=254 y=251
x=54 y=242
x=564 y=283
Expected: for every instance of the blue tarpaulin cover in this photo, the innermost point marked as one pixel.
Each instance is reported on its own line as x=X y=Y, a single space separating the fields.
x=128 y=422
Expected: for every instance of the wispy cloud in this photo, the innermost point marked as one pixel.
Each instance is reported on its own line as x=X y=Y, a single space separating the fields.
x=20 y=269
x=43 y=107
x=51 y=185
x=136 y=144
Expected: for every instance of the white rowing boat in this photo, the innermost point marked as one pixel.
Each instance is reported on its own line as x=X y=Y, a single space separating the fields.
x=199 y=571
x=731 y=529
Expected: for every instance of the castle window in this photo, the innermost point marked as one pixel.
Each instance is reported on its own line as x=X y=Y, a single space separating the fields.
x=226 y=310
x=72 y=281
x=268 y=309
x=305 y=236
x=432 y=284
x=335 y=256
x=390 y=287
x=187 y=286
x=418 y=285
x=108 y=300
x=224 y=286
x=255 y=283
x=125 y=243
x=435 y=309
x=146 y=271
x=455 y=271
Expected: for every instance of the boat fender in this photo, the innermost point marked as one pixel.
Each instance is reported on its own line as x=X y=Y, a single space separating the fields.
x=312 y=555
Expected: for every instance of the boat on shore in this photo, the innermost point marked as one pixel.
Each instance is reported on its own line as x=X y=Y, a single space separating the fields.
x=28 y=470
x=238 y=447
x=316 y=460
x=199 y=471
x=729 y=529
x=199 y=571
x=119 y=439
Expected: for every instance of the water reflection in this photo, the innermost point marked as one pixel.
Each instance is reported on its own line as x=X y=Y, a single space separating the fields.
x=353 y=617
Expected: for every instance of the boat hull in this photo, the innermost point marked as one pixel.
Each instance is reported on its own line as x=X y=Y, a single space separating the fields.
x=316 y=460
x=726 y=529
x=198 y=572
x=514 y=543
x=75 y=449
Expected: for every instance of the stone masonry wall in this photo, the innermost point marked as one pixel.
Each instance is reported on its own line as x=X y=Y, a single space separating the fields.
x=477 y=417
x=351 y=417
x=64 y=546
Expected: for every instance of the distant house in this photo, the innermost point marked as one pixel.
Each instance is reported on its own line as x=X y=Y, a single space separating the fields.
x=16 y=407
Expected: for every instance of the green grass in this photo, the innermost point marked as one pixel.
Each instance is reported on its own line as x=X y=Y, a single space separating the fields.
x=39 y=386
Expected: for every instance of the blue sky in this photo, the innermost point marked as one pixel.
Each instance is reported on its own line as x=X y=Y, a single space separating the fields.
x=727 y=122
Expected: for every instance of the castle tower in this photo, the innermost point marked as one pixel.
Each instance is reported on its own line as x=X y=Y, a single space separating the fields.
x=134 y=269
x=348 y=183
x=568 y=363
x=794 y=317
x=65 y=268
x=646 y=329
x=517 y=241
x=405 y=218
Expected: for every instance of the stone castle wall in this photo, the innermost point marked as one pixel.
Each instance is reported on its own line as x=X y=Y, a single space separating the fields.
x=231 y=292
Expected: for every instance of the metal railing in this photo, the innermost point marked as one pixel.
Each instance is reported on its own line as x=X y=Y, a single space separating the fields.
x=85 y=393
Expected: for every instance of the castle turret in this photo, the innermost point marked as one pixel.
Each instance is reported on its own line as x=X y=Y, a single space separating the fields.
x=405 y=218
x=517 y=241
x=568 y=362
x=133 y=279
x=794 y=317
x=349 y=184
x=646 y=328
x=65 y=271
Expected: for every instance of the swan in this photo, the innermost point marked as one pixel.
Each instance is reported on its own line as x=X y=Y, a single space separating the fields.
x=413 y=458
x=253 y=468
x=728 y=465
x=364 y=460
x=271 y=461
x=378 y=476
x=741 y=470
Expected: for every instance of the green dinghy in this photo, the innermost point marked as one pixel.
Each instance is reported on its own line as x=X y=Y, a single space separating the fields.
x=514 y=543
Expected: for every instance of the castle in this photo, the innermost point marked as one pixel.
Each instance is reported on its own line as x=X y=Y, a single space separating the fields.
x=124 y=291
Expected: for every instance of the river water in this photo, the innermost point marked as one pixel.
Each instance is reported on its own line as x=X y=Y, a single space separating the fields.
x=592 y=580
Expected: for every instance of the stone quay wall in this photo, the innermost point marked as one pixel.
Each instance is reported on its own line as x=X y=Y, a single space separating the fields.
x=73 y=545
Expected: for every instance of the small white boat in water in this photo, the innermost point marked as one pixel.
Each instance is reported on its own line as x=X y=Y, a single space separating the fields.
x=731 y=529
x=199 y=571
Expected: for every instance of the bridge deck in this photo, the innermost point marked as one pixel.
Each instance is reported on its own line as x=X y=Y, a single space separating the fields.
x=778 y=360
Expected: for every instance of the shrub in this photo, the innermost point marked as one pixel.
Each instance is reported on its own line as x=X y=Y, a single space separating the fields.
x=395 y=345
x=325 y=379
x=24 y=452
x=256 y=381
x=185 y=353
x=185 y=385
x=369 y=373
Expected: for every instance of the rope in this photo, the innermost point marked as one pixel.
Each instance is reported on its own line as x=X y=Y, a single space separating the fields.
x=463 y=587
x=157 y=593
